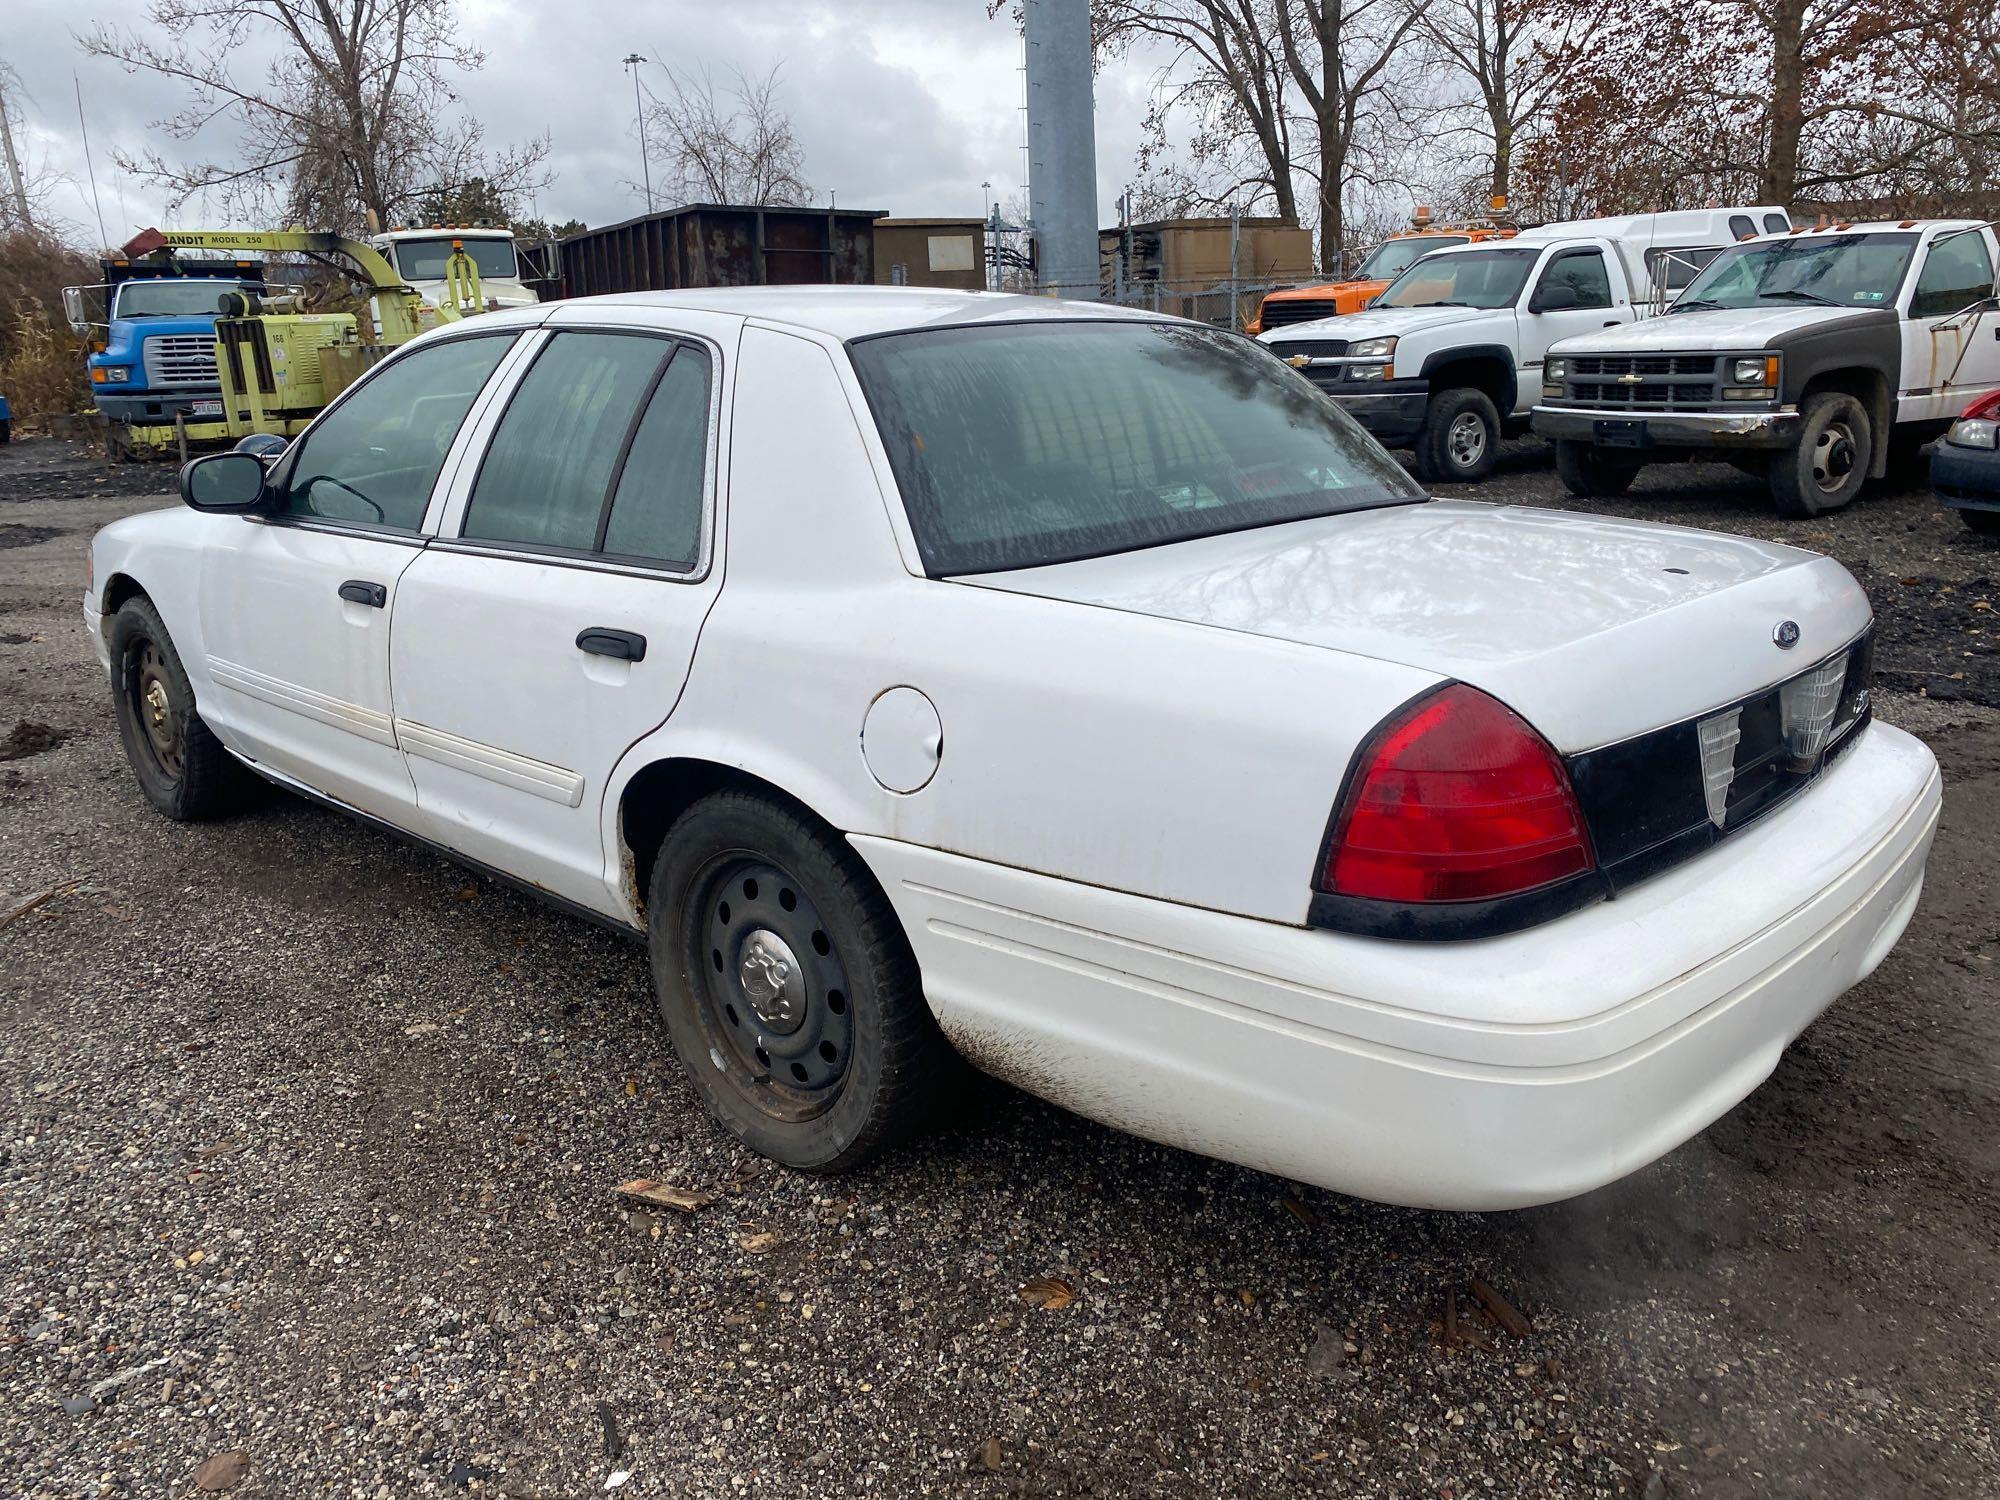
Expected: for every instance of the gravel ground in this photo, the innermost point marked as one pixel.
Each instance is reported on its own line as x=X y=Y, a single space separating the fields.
x=308 y=1142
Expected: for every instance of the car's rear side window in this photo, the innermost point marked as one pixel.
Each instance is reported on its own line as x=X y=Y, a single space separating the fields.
x=656 y=509
x=373 y=459
x=549 y=466
x=603 y=449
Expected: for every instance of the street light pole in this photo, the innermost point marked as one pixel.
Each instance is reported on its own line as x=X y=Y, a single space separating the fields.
x=632 y=61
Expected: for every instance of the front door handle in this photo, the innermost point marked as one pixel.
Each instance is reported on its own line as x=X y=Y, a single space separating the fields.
x=620 y=645
x=1612 y=324
x=361 y=591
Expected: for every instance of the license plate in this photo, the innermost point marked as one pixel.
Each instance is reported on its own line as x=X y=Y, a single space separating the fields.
x=205 y=409
x=1621 y=434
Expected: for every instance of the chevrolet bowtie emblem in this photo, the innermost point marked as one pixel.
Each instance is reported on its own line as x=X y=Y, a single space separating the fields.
x=1299 y=361
x=1631 y=379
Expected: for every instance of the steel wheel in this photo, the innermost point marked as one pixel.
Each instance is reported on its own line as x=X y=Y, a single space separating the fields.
x=1466 y=440
x=153 y=707
x=770 y=986
x=1833 y=457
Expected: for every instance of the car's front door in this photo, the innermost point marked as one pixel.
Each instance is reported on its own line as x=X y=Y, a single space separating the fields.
x=553 y=621
x=1951 y=338
x=296 y=602
x=1572 y=293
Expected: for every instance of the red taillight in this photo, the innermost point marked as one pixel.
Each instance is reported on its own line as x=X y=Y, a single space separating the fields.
x=1986 y=408
x=1459 y=800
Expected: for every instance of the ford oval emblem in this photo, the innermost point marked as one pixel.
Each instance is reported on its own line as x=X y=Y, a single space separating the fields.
x=1786 y=635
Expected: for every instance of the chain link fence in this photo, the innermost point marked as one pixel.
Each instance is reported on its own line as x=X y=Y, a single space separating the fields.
x=1228 y=304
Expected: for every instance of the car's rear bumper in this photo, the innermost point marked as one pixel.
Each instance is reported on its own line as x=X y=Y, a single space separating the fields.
x=1651 y=429
x=1476 y=1075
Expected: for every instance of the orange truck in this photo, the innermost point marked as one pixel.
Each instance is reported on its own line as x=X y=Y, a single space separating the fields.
x=1387 y=261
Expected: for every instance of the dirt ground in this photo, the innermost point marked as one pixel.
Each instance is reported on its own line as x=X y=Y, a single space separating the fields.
x=308 y=1142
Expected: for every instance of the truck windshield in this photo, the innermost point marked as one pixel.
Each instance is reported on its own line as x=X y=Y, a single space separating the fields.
x=1469 y=278
x=1030 y=443
x=1847 y=270
x=170 y=299
x=423 y=260
x=1391 y=258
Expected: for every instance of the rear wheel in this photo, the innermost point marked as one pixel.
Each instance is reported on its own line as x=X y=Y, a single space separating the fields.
x=788 y=987
x=1985 y=522
x=1832 y=461
x=1460 y=439
x=1590 y=471
x=179 y=763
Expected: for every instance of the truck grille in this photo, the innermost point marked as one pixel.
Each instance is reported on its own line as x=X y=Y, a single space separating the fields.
x=1302 y=310
x=181 y=360
x=1645 y=382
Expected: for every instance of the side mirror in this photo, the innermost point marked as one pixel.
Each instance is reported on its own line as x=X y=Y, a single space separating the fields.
x=1558 y=296
x=74 y=311
x=228 y=483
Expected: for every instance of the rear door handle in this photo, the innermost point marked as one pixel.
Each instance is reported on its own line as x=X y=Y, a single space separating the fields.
x=361 y=591
x=620 y=645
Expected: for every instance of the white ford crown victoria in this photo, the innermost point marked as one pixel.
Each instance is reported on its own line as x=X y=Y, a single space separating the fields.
x=1078 y=690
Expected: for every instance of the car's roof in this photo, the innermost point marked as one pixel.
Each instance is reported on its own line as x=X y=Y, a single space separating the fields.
x=1872 y=226
x=847 y=312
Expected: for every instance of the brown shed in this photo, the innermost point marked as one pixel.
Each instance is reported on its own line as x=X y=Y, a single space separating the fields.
x=1187 y=254
x=931 y=252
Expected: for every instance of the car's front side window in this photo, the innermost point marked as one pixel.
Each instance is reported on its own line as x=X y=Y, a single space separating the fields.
x=373 y=459
x=1582 y=273
x=1957 y=273
x=1028 y=443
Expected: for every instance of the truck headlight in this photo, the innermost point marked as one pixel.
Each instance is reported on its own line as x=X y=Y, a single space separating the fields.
x=111 y=374
x=1556 y=369
x=1372 y=348
x=1974 y=432
x=1763 y=370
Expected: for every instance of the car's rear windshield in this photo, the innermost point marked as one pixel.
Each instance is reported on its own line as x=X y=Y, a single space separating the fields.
x=1028 y=443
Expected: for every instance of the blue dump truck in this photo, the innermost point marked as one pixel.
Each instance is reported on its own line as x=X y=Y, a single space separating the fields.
x=153 y=341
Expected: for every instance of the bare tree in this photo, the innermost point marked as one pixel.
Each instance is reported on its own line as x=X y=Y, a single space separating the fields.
x=732 y=146
x=351 y=118
x=1512 y=55
x=1226 y=73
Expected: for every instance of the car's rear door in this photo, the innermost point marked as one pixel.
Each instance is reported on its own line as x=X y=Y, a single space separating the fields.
x=553 y=620
x=297 y=603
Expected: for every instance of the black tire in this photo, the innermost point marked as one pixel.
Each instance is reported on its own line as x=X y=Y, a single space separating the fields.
x=6 y=431
x=1460 y=440
x=827 y=1059
x=1591 y=472
x=1985 y=522
x=1832 y=461
x=180 y=765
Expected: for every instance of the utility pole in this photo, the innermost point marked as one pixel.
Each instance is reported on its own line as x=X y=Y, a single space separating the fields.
x=19 y=190
x=632 y=61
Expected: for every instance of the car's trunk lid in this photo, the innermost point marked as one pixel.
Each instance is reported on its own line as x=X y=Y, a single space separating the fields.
x=1593 y=628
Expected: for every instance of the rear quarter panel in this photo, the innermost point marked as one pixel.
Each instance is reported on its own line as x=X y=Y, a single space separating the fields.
x=1161 y=758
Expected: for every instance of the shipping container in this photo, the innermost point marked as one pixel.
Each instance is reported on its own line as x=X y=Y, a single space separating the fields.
x=717 y=244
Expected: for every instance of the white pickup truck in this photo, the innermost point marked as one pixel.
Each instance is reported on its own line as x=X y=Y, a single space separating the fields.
x=1448 y=360
x=1797 y=356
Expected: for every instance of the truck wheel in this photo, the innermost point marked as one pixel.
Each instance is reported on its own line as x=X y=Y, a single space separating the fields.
x=1460 y=438
x=1985 y=522
x=6 y=430
x=1589 y=472
x=788 y=987
x=179 y=763
x=1831 y=462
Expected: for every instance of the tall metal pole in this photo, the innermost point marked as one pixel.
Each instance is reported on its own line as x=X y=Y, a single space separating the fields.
x=632 y=61
x=1062 y=146
x=96 y=207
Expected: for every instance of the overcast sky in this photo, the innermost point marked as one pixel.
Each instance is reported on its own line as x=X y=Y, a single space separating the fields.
x=903 y=105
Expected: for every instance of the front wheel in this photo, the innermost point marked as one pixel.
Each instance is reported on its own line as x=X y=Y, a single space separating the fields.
x=1460 y=440
x=1590 y=472
x=1832 y=461
x=788 y=987
x=179 y=763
